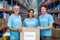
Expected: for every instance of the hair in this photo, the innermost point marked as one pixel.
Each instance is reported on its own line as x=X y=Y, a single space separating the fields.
x=16 y=6
x=29 y=11
x=44 y=6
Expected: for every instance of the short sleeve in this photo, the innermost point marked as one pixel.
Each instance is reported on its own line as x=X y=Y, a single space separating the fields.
x=9 y=23
x=39 y=21
x=36 y=23
x=24 y=23
x=51 y=20
x=21 y=21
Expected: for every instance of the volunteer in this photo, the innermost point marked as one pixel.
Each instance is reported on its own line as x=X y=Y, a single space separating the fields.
x=45 y=23
x=30 y=21
x=14 y=24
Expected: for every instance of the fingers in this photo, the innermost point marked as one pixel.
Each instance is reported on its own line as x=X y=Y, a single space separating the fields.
x=20 y=30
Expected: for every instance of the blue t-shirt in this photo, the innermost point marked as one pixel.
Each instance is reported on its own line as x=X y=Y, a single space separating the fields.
x=31 y=22
x=45 y=21
x=14 y=22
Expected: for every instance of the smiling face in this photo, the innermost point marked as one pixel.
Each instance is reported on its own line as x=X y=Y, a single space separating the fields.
x=43 y=10
x=31 y=14
x=16 y=9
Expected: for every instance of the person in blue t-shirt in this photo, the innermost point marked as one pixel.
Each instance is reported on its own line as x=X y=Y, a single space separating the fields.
x=30 y=21
x=45 y=24
x=14 y=24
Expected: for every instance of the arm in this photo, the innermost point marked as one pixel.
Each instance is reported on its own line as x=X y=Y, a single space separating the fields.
x=10 y=23
x=50 y=21
x=48 y=27
x=10 y=28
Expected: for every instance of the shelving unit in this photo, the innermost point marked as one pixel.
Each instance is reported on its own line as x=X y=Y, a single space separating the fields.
x=21 y=4
x=24 y=8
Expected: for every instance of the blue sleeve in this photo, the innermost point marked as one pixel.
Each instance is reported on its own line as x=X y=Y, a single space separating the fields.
x=21 y=22
x=9 y=23
x=36 y=23
x=24 y=23
x=51 y=20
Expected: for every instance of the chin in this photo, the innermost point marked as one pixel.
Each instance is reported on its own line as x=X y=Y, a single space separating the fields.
x=43 y=13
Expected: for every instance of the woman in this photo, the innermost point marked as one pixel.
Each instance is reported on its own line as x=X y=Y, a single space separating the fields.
x=45 y=24
x=30 y=21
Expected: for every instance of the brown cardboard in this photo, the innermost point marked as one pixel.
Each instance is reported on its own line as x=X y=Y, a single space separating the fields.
x=56 y=33
x=26 y=29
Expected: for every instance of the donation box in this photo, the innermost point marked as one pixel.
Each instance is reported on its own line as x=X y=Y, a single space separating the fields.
x=30 y=34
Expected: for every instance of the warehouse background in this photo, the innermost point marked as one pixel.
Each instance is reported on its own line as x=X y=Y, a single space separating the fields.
x=25 y=5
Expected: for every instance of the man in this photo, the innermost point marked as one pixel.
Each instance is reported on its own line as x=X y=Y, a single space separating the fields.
x=45 y=24
x=15 y=24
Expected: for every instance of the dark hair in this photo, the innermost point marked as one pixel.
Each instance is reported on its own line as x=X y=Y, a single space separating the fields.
x=44 y=6
x=29 y=11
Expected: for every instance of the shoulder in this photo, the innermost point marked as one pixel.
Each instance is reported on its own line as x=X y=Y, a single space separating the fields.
x=49 y=15
x=19 y=16
x=25 y=19
x=11 y=16
x=35 y=19
x=40 y=16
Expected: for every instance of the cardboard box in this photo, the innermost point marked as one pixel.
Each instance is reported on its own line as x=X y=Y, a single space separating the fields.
x=30 y=34
x=56 y=33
